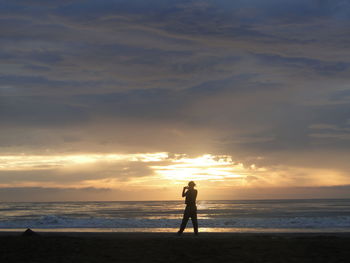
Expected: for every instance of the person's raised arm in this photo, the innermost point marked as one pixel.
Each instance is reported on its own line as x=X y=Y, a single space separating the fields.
x=184 y=191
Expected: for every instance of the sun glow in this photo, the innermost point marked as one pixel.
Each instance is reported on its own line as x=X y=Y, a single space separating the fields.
x=151 y=171
x=145 y=170
x=205 y=167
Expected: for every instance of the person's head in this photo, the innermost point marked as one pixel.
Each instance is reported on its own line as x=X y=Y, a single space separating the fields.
x=191 y=184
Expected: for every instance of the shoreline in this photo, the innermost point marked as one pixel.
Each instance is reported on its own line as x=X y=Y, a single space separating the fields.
x=213 y=235
x=188 y=230
x=166 y=235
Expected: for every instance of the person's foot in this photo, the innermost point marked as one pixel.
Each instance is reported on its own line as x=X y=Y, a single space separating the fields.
x=196 y=234
x=179 y=233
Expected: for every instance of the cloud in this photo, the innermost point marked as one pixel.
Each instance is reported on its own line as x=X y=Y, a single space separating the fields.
x=53 y=194
x=32 y=194
x=286 y=193
x=323 y=67
x=75 y=174
x=248 y=79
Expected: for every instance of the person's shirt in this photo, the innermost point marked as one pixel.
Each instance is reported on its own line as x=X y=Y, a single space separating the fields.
x=191 y=196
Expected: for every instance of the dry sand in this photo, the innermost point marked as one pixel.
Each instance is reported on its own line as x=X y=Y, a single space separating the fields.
x=166 y=247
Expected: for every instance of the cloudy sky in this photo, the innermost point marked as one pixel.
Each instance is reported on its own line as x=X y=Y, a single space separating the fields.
x=131 y=99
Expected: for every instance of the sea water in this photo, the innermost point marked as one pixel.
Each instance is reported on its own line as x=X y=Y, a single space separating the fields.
x=331 y=215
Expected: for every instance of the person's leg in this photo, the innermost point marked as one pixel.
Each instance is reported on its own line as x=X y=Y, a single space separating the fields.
x=184 y=220
x=194 y=220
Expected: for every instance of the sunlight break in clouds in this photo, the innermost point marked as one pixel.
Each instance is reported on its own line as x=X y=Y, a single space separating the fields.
x=18 y=162
x=108 y=169
x=205 y=167
x=152 y=170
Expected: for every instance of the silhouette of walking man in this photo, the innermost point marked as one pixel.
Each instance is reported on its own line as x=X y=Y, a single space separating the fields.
x=191 y=208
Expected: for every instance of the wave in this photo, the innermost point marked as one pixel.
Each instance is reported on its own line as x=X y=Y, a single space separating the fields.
x=56 y=221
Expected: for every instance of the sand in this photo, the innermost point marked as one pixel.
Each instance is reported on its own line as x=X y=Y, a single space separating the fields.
x=167 y=247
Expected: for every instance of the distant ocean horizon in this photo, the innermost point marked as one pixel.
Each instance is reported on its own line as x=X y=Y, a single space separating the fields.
x=269 y=215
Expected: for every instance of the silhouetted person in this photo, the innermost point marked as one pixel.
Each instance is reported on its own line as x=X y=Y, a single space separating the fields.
x=191 y=208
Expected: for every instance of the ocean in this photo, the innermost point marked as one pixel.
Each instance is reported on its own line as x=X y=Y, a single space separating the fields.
x=329 y=215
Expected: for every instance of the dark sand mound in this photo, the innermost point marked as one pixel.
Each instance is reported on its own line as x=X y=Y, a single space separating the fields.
x=29 y=233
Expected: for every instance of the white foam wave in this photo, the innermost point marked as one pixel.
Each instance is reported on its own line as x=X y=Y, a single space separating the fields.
x=55 y=221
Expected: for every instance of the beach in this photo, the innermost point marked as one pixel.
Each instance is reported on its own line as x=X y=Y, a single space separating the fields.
x=145 y=231
x=168 y=247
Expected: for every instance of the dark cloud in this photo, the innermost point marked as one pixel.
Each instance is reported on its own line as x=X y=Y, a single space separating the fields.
x=290 y=193
x=323 y=67
x=121 y=171
x=102 y=194
x=39 y=111
x=48 y=194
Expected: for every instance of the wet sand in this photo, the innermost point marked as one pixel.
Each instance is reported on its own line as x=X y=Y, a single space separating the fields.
x=167 y=247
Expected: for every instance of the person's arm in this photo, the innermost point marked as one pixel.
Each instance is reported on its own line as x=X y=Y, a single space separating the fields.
x=184 y=191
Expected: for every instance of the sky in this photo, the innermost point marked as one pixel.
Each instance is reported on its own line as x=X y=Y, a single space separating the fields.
x=131 y=99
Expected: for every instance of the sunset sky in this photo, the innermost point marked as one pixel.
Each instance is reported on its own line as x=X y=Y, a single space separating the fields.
x=131 y=99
